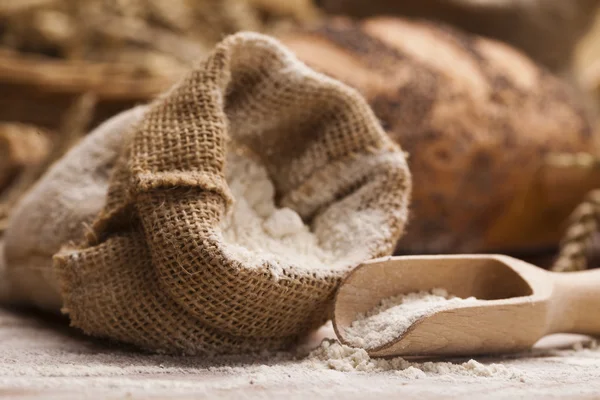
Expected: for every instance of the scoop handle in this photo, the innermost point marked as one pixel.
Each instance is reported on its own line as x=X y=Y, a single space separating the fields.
x=576 y=302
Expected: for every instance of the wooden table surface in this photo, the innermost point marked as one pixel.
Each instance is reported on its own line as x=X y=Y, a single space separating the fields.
x=42 y=357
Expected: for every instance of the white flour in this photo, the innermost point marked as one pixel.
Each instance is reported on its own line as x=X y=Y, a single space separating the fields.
x=48 y=359
x=256 y=232
x=395 y=315
x=334 y=355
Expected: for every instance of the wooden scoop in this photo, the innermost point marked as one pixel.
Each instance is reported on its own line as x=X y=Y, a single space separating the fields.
x=522 y=303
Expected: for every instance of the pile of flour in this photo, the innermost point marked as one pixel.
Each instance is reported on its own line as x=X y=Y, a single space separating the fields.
x=333 y=355
x=256 y=232
x=395 y=315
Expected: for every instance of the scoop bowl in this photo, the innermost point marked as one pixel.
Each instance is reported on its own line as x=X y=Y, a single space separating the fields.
x=520 y=303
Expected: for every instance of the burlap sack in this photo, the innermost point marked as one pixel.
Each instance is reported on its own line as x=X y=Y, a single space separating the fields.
x=154 y=269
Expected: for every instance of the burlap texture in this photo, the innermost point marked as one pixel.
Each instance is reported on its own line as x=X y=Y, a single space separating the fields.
x=154 y=271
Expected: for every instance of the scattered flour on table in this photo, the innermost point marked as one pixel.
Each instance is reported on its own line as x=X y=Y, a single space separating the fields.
x=31 y=350
x=48 y=357
x=257 y=232
x=336 y=356
x=394 y=315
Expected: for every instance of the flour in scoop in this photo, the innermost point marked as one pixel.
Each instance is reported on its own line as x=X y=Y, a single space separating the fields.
x=395 y=315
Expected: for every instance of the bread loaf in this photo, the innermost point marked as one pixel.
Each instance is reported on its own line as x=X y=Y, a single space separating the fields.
x=478 y=119
x=547 y=30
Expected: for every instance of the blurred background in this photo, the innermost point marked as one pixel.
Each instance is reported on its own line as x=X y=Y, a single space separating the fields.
x=68 y=65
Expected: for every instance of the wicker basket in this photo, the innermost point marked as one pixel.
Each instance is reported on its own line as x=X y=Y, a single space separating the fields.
x=38 y=90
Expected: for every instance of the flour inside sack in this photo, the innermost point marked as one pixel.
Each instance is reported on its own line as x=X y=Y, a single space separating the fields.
x=395 y=315
x=256 y=232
